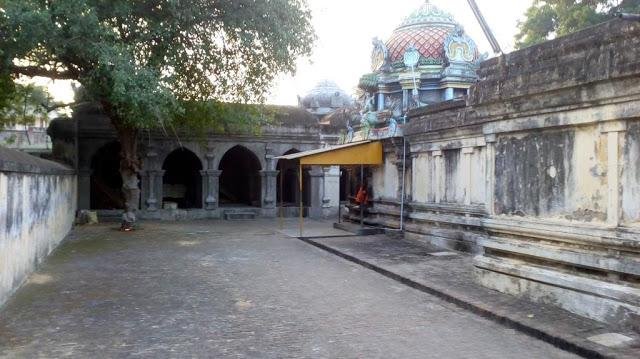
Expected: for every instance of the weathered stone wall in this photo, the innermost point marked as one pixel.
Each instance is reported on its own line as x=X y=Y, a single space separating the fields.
x=293 y=129
x=538 y=172
x=631 y=175
x=37 y=210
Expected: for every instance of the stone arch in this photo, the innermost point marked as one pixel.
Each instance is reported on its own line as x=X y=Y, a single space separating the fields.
x=240 y=180
x=166 y=148
x=182 y=180
x=105 y=180
x=256 y=148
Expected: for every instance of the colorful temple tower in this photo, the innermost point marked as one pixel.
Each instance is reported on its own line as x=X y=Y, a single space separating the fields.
x=428 y=59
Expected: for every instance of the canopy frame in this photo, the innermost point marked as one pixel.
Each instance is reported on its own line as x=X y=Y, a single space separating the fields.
x=358 y=153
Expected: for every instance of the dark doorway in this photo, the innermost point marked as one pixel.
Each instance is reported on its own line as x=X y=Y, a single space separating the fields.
x=182 y=182
x=106 y=182
x=240 y=182
x=345 y=183
x=289 y=190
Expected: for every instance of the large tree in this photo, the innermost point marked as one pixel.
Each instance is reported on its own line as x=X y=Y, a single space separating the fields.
x=144 y=60
x=546 y=19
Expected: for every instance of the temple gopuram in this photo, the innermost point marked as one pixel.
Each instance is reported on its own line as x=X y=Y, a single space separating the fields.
x=427 y=60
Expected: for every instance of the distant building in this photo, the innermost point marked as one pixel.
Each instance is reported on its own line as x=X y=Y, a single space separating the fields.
x=325 y=98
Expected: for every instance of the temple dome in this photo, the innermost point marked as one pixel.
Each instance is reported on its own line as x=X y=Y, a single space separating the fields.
x=427 y=28
x=325 y=98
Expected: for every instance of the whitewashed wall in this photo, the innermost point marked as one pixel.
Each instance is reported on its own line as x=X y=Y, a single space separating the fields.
x=37 y=210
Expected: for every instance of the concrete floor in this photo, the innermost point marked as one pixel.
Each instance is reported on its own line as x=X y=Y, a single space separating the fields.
x=233 y=290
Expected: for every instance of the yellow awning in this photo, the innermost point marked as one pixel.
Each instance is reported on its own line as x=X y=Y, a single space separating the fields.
x=357 y=153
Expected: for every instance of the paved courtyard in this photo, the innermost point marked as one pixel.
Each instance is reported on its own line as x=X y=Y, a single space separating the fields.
x=233 y=290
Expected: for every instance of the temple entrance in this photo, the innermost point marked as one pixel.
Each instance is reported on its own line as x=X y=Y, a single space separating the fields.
x=240 y=182
x=106 y=182
x=182 y=182
x=288 y=193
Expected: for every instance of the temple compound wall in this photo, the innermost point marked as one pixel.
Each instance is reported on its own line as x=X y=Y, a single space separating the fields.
x=37 y=210
x=537 y=171
x=188 y=176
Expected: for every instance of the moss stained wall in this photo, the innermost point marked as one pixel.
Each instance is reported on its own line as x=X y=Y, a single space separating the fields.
x=37 y=210
x=533 y=173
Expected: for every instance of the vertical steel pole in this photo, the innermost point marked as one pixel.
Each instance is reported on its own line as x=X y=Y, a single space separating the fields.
x=404 y=167
x=361 y=203
x=281 y=199
x=301 y=207
x=339 y=193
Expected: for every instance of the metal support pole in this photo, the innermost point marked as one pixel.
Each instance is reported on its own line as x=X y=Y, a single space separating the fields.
x=339 y=193
x=281 y=200
x=485 y=27
x=301 y=207
x=404 y=166
x=361 y=203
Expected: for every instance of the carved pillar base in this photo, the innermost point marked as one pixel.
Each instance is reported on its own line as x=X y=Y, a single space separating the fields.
x=151 y=188
x=268 y=188
x=210 y=188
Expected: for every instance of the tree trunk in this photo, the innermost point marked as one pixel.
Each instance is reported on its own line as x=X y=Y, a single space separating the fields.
x=129 y=167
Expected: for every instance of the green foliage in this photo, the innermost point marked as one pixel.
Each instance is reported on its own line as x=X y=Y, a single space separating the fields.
x=546 y=19
x=148 y=61
x=21 y=104
x=204 y=117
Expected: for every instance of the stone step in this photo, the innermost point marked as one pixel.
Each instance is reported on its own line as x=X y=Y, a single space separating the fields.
x=240 y=215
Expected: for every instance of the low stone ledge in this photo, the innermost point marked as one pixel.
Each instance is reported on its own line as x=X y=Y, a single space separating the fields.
x=20 y=162
x=602 y=301
x=589 y=258
x=626 y=239
x=522 y=269
x=473 y=210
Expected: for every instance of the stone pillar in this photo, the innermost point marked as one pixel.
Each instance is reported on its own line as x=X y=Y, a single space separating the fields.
x=159 y=188
x=614 y=168
x=491 y=173
x=448 y=93
x=269 y=188
x=210 y=187
x=408 y=86
x=316 y=186
x=84 y=188
x=151 y=189
x=148 y=183
x=438 y=176
x=331 y=191
x=467 y=153
x=414 y=180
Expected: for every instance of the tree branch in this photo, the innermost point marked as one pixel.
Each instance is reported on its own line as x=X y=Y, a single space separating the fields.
x=33 y=71
x=56 y=106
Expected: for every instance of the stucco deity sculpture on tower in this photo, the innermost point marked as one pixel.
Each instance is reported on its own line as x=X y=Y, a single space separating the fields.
x=445 y=66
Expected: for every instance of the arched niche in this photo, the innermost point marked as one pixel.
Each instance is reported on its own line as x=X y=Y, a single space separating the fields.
x=240 y=181
x=182 y=181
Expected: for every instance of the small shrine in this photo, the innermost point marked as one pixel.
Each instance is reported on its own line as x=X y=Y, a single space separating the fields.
x=428 y=59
